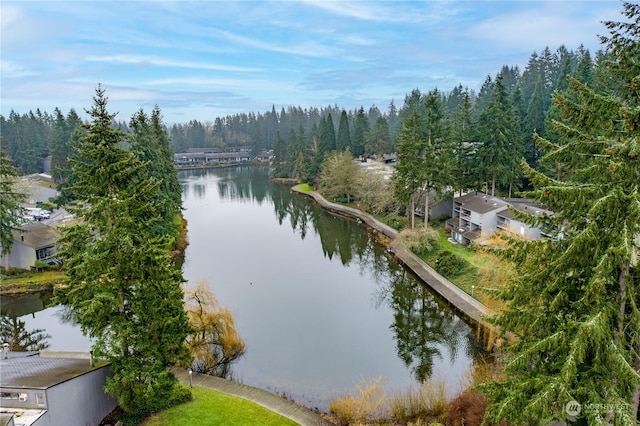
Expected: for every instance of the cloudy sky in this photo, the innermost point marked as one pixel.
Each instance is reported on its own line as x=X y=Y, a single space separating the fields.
x=204 y=59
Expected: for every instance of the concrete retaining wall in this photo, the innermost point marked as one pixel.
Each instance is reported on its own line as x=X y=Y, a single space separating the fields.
x=461 y=301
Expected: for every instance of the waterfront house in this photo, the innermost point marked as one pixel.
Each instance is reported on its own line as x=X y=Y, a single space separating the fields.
x=477 y=215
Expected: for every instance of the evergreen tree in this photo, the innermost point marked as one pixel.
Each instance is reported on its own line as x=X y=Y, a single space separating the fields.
x=59 y=147
x=11 y=200
x=498 y=132
x=299 y=155
x=575 y=308
x=483 y=98
x=327 y=136
x=534 y=123
x=149 y=139
x=378 y=141
x=360 y=132
x=437 y=153
x=460 y=133
x=123 y=289
x=14 y=332
x=343 y=142
x=279 y=162
x=407 y=179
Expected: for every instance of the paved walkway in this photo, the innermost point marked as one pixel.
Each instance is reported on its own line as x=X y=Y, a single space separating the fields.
x=277 y=404
x=457 y=297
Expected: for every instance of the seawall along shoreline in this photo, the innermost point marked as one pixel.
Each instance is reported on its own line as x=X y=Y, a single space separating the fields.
x=456 y=297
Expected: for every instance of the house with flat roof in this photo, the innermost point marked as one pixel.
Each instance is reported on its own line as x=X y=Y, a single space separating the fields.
x=508 y=222
x=53 y=389
x=474 y=216
x=477 y=215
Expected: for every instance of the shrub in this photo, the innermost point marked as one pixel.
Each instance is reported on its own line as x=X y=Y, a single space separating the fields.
x=47 y=205
x=366 y=407
x=420 y=240
x=450 y=264
x=395 y=221
x=180 y=393
x=427 y=401
x=467 y=409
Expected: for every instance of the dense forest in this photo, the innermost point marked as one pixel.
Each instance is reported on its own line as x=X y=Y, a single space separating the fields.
x=300 y=137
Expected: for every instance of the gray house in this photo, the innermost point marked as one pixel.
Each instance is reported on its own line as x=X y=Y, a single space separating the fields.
x=53 y=389
x=35 y=241
x=474 y=216
x=477 y=215
x=507 y=221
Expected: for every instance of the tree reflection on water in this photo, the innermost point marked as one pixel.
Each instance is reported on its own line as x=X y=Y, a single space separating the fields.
x=425 y=327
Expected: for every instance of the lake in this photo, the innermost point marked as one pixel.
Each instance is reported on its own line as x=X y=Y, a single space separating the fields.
x=320 y=304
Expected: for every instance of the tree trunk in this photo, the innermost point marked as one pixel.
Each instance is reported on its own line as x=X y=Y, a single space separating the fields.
x=493 y=184
x=622 y=282
x=635 y=397
x=426 y=210
x=413 y=212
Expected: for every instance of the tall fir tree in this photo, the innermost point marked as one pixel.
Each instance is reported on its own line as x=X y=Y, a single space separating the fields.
x=406 y=178
x=460 y=133
x=378 y=141
x=575 y=308
x=280 y=160
x=437 y=167
x=498 y=132
x=534 y=123
x=123 y=289
x=343 y=142
x=150 y=140
x=360 y=132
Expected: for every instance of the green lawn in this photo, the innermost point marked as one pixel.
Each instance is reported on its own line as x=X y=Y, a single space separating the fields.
x=480 y=277
x=24 y=280
x=210 y=407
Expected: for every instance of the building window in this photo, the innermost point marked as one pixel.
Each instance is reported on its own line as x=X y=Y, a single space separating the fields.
x=9 y=395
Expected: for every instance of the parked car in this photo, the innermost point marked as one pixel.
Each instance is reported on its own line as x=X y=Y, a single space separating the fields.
x=36 y=213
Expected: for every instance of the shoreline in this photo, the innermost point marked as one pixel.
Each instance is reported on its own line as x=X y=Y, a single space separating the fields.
x=463 y=303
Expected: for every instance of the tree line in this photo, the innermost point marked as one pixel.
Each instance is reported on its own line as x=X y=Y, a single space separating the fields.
x=301 y=137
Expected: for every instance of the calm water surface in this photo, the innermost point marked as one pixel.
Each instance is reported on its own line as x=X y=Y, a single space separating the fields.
x=320 y=305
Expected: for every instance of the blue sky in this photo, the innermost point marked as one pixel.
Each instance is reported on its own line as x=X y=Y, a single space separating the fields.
x=204 y=59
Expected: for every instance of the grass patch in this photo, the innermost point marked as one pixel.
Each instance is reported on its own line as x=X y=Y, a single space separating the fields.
x=366 y=407
x=304 y=187
x=19 y=281
x=479 y=273
x=427 y=402
x=210 y=407
x=372 y=405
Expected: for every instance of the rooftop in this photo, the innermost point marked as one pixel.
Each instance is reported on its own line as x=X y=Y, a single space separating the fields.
x=43 y=370
x=480 y=202
x=36 y=235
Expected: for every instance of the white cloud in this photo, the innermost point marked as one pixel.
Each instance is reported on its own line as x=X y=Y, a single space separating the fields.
x=311 y=48
x=545 y=24
x=151 y=60
x=9 y=69
x=366 y=11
